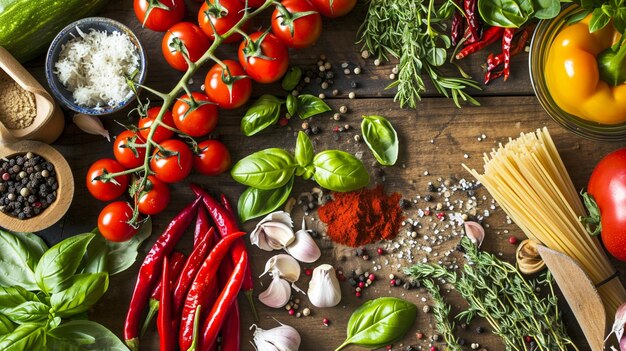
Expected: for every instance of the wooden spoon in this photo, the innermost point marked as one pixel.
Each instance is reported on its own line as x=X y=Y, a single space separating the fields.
x=580 y=293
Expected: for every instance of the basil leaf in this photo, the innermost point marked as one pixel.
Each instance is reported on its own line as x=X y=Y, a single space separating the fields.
x=292 y=105
x=599 y=20
x=309 y=106
x=6 y=326
x=262 y=114
x=86 y=335
x=381 y=138
x=546 y=9
x=304 y=150
x=505 y=13
x=17 y=261
x=13 y=296
x=255 y=202
x=96 y=256
x=380 y=322
x=36 y=246
x=29 y=312
x=292 y=78
x=25 y=337
x=120 y=255
x=339 y=171
x=60 y=262
x=83 y=292
x=266 y=169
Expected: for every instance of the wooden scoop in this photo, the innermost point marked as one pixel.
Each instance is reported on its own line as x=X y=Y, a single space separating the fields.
x=580 y=293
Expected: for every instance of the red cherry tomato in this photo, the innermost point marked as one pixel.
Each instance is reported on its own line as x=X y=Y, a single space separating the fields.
x=217 y=81
x=184 y=37
x=174 y=163
x=127 y=156
x=306 y=29
x=229 y=13
x=154 y=198
x=161 y=133
x=112 y=222
x=106 y=191
x=195 y=117
x=159 y=19
x=213 y=158
x=334 y=8
x=264 y=57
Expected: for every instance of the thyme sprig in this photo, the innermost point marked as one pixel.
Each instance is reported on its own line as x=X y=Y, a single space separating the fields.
x=496 y=291
x=441 y=311
x=413 y=31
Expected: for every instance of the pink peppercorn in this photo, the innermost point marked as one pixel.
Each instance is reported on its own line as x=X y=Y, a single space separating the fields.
x=283 y=121
x=392 y=282
x=361 y=285
x=433 y=349
x=440 y=215
x=388 y=347
x=358 y=294
x=6 y=176
x=419 y=336
x=292 y=312
x=326 y=322
x=308 y=271
x=371 y=277
x=513 y=240
x=380 y=251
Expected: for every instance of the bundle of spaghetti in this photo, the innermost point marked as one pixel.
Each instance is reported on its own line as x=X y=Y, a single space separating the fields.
x=528 y=179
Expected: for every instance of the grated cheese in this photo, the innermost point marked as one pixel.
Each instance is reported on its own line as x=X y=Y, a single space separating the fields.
x=93 y=67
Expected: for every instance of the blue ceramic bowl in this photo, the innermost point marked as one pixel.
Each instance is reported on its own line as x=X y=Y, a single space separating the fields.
x=59 y=91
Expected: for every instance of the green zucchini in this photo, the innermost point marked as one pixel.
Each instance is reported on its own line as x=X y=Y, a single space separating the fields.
x=27 y=27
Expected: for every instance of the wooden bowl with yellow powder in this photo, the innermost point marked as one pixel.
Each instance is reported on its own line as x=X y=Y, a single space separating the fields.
x=27 y=110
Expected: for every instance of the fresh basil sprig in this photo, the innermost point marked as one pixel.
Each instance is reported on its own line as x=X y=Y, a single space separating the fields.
x=381 y=138
x=515 y=13
x=379 y=322
x=269 y=175
x=309 y=106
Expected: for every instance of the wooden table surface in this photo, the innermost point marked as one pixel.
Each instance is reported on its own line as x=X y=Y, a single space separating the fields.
x=435 y=138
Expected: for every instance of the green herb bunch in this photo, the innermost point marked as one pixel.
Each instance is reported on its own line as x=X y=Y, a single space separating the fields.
x=441 y=311
x=45 y=293
x=414 y=32
x=496 y=291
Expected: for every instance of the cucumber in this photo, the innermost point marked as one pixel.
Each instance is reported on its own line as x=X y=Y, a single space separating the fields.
x=27 y=27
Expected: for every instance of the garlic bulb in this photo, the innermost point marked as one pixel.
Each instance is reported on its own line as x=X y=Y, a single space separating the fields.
x=304 y=248
x=475 y=232
x=324 y=288
x=90 y=125
x=283 y=338
x=274 y=232
x=277 y=294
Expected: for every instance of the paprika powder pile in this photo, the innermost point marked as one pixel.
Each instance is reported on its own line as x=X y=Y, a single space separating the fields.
x=361 y=217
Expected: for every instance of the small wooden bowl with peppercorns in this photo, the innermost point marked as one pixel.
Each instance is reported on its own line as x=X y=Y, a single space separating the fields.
x=36 y=184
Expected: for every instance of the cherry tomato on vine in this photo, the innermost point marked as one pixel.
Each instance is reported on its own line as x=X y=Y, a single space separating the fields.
x=253 y=3
x=184 y=37
x=221 y=15
x=113 y=222
x=172 y=163
x=154 y=198
x=218 y=80
x=264 y=57
x=213 y=159
x=159 y=15
x=127 y=154
x=106 y=191
x=296 y=23
x=334 y=8
x=195 y=117
x=161 y=133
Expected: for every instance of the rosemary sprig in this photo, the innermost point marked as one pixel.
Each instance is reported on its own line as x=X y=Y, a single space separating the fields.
x=496 y=291
x=413 y=31
x=441 y=311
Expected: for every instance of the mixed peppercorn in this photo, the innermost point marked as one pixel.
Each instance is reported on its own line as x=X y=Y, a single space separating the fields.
x=28 y=185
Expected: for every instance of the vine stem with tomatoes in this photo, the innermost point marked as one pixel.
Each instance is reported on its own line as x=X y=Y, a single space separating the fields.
x=169 y=98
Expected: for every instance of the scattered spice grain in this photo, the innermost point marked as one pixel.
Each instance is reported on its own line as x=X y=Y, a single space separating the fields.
x=17 y=106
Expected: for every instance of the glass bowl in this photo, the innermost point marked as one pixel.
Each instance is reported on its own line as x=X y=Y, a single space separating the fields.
x=59 y=91
x=539 y=47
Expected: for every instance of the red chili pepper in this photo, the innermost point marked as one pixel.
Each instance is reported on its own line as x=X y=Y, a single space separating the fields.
x=227 y=206
x=164 y=319
x=227 y=224
x=458 y=26
x=150 y=269
x=224 y=302
x=489 y=37
x=177 y=260
x=473 y=22
x=230 y=329
x=202 y=225
x=193 y=264
x=507 y=40
x=202 y=284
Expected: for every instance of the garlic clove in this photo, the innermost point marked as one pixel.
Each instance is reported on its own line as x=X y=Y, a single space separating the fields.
x=475 y=232
x=277 y=294
x=282 y=338
x=278 y=216
x=90 y=125
x=324 y=290
x=271 y=236
x=283 y=266
x=304 y=248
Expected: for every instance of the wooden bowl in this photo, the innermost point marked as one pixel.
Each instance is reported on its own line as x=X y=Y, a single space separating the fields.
x=65 y=192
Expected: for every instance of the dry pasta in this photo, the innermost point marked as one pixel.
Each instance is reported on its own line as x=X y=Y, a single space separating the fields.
x=528 y=179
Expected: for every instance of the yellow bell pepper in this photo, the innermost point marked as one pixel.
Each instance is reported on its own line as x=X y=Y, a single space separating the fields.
x=576 y=82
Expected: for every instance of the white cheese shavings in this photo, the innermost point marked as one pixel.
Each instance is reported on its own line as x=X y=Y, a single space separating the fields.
x=93 y=67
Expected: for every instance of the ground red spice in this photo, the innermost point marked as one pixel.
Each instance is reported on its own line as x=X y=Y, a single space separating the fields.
x=361 y=217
